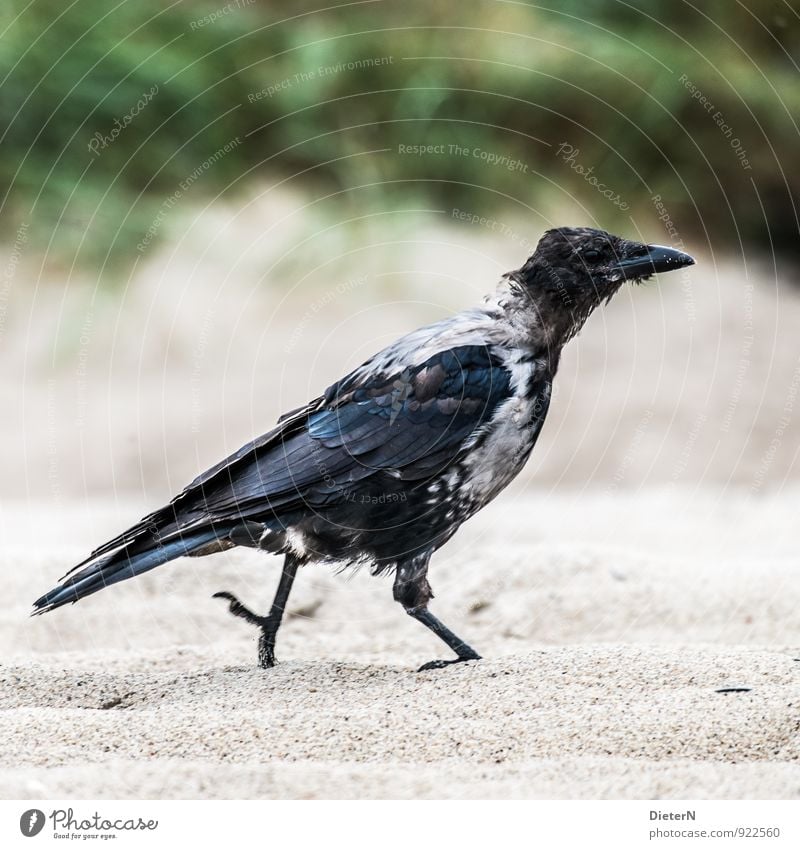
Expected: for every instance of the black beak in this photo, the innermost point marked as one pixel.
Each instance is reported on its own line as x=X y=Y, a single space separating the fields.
x=650 y=259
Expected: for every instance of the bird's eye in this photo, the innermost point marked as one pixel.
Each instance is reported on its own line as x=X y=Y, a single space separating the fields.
x=591 y=255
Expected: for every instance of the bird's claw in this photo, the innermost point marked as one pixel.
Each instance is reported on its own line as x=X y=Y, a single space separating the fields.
x=266 y=642
x=266 y=650
x=238 y=609
x=440 y=664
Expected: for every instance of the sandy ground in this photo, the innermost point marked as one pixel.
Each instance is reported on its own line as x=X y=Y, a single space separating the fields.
x=608 y=622
x=644 y=560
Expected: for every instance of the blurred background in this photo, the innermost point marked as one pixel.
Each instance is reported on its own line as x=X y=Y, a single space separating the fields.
x=211 y=211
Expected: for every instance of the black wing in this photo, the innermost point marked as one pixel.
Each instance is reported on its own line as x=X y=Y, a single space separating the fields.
x=411 y=423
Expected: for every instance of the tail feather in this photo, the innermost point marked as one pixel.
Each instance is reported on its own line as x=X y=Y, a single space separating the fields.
x=119 y=566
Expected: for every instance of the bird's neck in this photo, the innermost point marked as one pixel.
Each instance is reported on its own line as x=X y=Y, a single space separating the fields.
x=537 y=322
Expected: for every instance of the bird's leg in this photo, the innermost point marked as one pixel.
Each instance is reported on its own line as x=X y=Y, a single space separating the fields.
x=462 y=649
x=266 y=642
x=412 y=590
x=270 y=623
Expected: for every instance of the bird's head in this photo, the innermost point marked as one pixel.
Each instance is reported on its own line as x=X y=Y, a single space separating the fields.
x=575 y=269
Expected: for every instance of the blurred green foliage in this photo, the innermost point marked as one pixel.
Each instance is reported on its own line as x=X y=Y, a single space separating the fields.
x=652 y=95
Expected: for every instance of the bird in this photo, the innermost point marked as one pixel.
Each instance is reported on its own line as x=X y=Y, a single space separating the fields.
x=385 y=465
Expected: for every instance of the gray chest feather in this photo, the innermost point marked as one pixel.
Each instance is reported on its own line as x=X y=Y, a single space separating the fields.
x=499 y=455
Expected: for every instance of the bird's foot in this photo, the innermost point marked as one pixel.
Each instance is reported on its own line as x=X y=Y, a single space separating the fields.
x=440 y=664
x=266 y=649
x=266 y=642
x=238 y=609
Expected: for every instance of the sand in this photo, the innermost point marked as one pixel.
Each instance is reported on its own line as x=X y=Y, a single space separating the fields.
x=645 y=559
x=609 y=624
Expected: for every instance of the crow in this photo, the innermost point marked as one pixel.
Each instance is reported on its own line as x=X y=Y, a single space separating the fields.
x=385 y=465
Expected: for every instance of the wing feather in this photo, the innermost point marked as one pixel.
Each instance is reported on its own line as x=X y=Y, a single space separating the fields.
x=411 y=422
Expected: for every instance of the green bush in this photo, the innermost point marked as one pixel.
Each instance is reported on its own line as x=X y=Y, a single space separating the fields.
x=654 y=100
